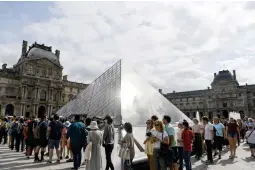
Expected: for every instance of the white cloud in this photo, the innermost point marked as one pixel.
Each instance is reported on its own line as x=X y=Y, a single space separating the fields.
x=175 y=45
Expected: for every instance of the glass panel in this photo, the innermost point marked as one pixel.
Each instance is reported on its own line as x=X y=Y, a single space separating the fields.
x=139 y=100
x=122 y=94
x=99 y=98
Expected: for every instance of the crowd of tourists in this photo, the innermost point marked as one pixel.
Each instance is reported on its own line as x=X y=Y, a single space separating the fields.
x=166 y=146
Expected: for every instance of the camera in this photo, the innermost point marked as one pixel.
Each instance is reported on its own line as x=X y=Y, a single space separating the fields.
x=148 y=134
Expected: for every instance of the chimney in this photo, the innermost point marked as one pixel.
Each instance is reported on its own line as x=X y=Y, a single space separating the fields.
x=24 y=47
x=65 y=77
x=214 y=74
x=234 y=74
x=57 y=53
x=174 y=91
x=4 y=66
x=208 y=88
x=160 y=91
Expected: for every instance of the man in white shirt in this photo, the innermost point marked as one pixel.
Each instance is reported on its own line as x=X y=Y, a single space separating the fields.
x=208 y=135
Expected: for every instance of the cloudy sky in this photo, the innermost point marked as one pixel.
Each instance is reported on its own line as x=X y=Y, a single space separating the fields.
x=174 y=45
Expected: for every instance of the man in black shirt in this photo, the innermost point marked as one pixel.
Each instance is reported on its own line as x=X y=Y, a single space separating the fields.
x=55 y=132
x=42 y=141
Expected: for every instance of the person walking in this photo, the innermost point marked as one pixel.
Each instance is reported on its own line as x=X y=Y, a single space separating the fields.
x=43 y=139
x=208 y=135
x=77 y=133
x=180 y=144
x=198 y=142
x=250 y=137
x=14 y=132
x=149 y=144
x=187 y=138
x=108 y=142
x=169 y=129
x=159 y=136
x=233 y=132
x=219 y=135
x=95 y=137
x=20 y=136
x=54 y=131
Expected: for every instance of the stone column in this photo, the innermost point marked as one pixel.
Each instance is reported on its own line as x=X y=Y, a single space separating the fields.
x=36 y=110
x=21 y=109
x=3 y=109
x=37 y=93
x=24 y=110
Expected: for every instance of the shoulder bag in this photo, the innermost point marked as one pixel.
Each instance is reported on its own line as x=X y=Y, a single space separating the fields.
x=164 y=148
x=249 y=136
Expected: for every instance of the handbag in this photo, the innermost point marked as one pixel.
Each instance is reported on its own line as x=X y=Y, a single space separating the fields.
x=87 y=154
x=164 y=148
x=124 y=152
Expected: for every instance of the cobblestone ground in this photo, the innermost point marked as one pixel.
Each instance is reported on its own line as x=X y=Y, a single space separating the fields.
x=11 y=160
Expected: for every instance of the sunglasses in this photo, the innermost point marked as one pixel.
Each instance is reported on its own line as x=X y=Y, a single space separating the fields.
x=156 y=124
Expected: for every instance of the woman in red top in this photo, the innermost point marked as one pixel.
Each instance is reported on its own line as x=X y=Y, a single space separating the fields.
x=232 y=131
x=187 y=138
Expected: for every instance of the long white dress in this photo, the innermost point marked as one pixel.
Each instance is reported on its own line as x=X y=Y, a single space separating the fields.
x=95 y=162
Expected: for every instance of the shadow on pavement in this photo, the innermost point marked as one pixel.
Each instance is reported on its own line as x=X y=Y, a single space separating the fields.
x=30 y=165
x=225 y=162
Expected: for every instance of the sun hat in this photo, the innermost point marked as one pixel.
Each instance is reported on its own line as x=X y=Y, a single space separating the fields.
x=67 y=124
x=93 y=125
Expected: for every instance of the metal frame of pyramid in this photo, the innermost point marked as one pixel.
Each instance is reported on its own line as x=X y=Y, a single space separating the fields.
x=121 y=93
x=99 y=98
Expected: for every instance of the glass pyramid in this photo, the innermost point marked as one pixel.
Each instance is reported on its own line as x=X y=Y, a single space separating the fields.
x=122 y=94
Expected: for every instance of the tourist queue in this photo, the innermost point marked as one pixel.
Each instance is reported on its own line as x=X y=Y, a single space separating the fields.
x=165 y=146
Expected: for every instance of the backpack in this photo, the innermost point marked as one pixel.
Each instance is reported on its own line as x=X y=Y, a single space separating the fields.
x=36 y=130
x=84 y=134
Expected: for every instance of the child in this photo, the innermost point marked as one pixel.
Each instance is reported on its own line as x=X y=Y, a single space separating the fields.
x=187 y=138
x=250 y=137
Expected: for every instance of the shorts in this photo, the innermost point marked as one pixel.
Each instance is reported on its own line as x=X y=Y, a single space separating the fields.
x=232 y=134
x=252 y=145
x=43 y=143
x=54 y=144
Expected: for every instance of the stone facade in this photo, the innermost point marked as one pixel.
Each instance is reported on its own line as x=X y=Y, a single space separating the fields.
x=224 y=96
x=35 y=86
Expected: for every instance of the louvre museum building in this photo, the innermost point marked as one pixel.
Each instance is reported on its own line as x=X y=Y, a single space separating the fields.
x=224 y=96
x=35 y=85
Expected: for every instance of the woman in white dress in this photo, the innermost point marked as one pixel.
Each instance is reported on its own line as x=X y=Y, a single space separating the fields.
x=95 y=137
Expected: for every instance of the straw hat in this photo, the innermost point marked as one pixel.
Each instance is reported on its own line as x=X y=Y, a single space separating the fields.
x=93 y=125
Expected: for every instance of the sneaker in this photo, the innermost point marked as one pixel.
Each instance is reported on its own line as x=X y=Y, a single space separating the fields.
x=215 y=154
x=69 y=160
x=36 y=160
x=209 y=162
x=67 y=157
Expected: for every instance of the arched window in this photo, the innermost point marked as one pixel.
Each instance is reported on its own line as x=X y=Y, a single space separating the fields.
x=43 y=95
x=30 y=69
x=43 y=73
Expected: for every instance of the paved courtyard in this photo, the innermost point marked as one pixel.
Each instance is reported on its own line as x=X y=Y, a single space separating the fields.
x=11 y=160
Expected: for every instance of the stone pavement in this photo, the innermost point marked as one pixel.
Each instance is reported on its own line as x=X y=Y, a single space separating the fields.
x=11 y=160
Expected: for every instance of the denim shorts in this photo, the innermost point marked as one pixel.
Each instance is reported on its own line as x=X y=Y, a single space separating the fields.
x=232 y=134
x=54 y=144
